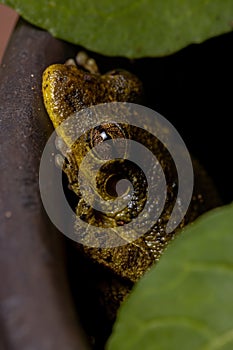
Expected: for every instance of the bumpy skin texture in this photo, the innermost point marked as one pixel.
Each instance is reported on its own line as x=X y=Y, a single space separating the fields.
x=67 y=89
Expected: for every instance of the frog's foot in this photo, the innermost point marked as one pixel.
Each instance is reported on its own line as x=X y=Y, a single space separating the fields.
x=83 y=60
x=87 y=62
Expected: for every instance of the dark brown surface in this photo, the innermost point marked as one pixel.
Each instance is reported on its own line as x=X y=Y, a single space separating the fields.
x=36 y=310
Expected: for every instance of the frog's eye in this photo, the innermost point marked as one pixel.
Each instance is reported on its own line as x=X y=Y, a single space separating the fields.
x=105 y=132
x=108 y=131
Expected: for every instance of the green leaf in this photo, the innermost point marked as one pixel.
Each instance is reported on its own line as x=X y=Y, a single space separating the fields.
x=186 y=301
x=128 y=27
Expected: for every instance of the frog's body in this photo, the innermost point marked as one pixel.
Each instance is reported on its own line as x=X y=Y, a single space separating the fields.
x=67 y=89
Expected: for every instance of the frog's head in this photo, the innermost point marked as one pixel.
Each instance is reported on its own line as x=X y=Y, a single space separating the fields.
x=68 y=89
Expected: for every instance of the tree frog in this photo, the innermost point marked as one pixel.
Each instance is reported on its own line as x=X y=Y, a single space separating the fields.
x=71 y=87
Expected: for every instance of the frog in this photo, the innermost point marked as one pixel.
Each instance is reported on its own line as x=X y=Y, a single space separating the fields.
x=76 y=85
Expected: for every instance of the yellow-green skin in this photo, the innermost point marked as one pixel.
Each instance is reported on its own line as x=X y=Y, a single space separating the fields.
x=67 y=89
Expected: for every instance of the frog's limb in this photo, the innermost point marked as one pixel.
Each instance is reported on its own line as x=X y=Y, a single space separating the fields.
x=83 y=60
